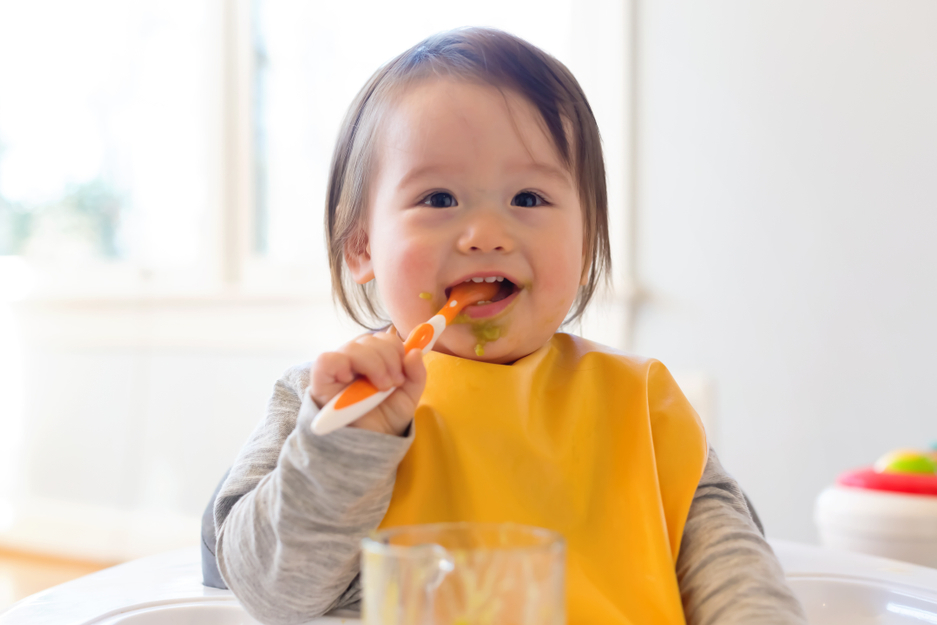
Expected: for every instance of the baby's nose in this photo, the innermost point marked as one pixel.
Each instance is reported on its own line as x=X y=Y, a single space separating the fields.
x=485 y=232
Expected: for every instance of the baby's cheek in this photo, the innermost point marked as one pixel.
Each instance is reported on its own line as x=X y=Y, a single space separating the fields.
x=409 y=275
x=412 y=257
x=557 y=293
x=562 y=278
x=414 y=266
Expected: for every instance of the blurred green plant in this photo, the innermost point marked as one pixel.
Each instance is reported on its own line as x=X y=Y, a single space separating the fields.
x=87 y=213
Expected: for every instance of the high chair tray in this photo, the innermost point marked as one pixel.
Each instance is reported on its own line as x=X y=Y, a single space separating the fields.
x=836 y=588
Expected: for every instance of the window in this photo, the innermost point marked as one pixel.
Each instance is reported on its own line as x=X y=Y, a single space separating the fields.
x=107 y=123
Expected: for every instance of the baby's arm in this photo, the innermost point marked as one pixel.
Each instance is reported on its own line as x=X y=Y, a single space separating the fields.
x=291 y=514
x=727 y=572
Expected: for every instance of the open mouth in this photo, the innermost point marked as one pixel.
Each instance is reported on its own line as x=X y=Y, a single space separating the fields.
x=507 y=291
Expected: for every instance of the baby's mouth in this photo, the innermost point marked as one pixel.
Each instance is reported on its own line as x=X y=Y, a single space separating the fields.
x=507 y=291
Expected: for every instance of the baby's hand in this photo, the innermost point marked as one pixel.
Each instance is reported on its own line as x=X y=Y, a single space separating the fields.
x=381 y=358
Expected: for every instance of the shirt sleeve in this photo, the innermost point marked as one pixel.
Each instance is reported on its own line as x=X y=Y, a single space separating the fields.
x=727 y=571
x=291 y=514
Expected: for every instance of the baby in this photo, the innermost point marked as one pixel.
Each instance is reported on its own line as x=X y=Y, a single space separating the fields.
x=475 y=156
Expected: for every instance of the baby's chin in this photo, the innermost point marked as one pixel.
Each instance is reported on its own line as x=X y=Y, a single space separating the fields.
x=499 y=351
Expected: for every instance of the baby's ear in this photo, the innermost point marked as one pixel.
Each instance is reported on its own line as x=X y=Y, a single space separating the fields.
x=358 y=257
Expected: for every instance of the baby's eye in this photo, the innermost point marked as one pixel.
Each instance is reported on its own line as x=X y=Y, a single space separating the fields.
x=439 y=199
x=527 y=199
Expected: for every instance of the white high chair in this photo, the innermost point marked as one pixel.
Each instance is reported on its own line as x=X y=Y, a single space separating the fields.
x=836 y=588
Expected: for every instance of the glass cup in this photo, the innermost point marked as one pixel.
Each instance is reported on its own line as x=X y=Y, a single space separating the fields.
x=464 y=574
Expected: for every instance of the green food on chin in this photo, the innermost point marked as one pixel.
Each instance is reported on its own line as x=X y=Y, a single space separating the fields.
x=484 y=330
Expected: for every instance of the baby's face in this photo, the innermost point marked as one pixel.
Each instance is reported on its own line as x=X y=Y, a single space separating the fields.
x=469 y=185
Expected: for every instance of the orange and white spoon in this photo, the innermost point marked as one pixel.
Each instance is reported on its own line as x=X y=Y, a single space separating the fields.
x=361 y=397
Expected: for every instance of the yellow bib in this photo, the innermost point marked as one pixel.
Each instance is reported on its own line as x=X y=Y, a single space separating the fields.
x=597 y=445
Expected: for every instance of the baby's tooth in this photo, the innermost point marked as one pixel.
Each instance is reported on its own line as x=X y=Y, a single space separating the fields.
x=491 y=279
x=477 y=279
x=500 y=278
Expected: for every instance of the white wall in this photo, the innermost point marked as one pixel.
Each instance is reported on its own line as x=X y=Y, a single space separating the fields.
x=786 y=224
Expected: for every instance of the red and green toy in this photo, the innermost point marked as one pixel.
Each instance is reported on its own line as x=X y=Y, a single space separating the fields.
x=907 y=471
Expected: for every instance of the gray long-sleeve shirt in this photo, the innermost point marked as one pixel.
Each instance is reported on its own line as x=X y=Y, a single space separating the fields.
x=290 y=516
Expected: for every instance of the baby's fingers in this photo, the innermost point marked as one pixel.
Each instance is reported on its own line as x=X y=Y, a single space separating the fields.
x=395 y=414
x=378 y=358
x=393 y=352
x=415 y=373
x=332 y=367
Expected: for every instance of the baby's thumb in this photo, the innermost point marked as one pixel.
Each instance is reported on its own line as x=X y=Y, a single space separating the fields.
x=414 y=375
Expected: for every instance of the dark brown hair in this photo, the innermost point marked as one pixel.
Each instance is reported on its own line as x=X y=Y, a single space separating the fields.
x=480 y=55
